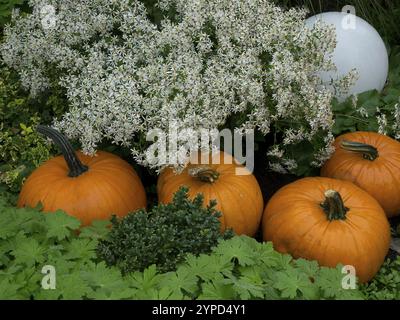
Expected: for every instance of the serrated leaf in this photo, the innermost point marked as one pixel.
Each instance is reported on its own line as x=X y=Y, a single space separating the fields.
x=164 y=293
x=29 y=252
x=72 y=286
x=252 y=273
x=330 y=281
x=208 y=267
x=145 y=280
x=284 y=261
x=60 y=225
x=97 y=230
x=288 y=283
x=245 y=289
x=310 y=268
x=236 y=248
x=267 y=255
x=81 y=249
x=101 y=276
x=182 y=281
x=217 y=290
x=9 y=290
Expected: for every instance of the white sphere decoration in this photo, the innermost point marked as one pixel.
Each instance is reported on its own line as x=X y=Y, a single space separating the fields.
x=359 y=46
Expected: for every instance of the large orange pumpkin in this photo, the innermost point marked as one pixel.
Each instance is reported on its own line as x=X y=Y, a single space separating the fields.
x=238 y=197
x=89 y=188
x=331 y=221
x=372 y=161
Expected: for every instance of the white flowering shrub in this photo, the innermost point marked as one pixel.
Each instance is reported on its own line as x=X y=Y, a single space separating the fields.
x=206 y=61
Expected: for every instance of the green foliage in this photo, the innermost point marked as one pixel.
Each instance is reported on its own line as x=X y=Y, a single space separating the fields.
x=386 y=284
x=6 y=7
x=21 y=151
x=21 y=148
x=162 y=236
x=238 y=268
x=370 y=107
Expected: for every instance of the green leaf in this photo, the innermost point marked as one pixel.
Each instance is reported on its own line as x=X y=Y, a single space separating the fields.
x=60 y=225
x=342 y=106
x=343 y=123
x=245 y=289
x=107 y=283
x=29 y=252
x=238 y=249
x=181 y=282
x=68 y=287
x=284 y=261
x=267 y=255
x=391 y=96
x=208 y=267
x=164 y=293
x=145 y=280
x=97 y=230
x=9 y=290
x=330 y=282
x=369 y=100
x=290 y=283
x=217 y=290
x=310 y=268
x=80 y=249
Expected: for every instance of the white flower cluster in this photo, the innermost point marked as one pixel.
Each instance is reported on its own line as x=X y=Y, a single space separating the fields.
x=396 y=124
x=124 y=75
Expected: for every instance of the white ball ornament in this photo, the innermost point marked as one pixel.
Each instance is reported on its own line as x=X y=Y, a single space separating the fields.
x=359 y=46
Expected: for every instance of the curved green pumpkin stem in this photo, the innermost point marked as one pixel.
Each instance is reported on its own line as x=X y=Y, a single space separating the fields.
x=204 y=173
x=334 y=206
x=369 y=152
x=76 y=168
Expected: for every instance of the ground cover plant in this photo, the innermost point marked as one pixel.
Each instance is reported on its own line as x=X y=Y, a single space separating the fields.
x=239 y=268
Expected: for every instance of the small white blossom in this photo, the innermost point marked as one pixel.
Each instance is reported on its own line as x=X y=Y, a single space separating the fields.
x=396 y=124
x=382 y=122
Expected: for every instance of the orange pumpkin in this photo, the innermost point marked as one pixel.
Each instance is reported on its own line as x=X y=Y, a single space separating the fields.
x=331 y=221
x=372 y=161
x=238 y=197
x=88 y=188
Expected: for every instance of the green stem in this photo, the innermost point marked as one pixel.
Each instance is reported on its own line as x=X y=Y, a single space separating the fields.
x=352 y=117
x=204 y=173
x=334 y=206
x=369 y=152
x=76 y=168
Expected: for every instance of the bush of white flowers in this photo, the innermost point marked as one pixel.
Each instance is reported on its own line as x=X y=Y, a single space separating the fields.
x=207 y=60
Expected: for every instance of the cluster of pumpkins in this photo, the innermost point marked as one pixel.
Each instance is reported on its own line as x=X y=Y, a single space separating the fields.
x=340 y=217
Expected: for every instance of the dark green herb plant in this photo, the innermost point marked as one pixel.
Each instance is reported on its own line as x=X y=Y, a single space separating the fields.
x=164 y=235
x=386 y=284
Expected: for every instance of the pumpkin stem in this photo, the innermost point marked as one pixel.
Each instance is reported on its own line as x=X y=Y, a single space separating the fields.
x=76 y=168
x=369 y=152
x=334 y=206
x=204 y=173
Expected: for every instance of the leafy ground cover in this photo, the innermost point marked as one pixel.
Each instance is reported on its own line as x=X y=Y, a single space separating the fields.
x=238 y=268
